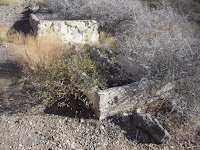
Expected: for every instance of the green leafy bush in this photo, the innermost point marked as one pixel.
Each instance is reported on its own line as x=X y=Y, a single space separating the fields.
x=70 y=79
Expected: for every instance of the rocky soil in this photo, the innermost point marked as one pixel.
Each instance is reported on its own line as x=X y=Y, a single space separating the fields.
x=25 y=124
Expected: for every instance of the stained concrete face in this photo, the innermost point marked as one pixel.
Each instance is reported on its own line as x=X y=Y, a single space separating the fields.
x=114 y=100
x=68 y=31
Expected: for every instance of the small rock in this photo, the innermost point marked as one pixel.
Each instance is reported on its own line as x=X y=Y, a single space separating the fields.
x=172 y=147
x=5 y=46
x=102 y=127
x=82 y=121
x=125 y=117
x=39 y=123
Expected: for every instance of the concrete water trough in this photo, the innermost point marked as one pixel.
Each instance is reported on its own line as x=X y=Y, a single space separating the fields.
x=108 y=102
x=116 y=99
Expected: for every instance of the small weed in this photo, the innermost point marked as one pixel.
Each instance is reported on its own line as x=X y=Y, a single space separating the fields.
x=3 y=33
x=107 y=41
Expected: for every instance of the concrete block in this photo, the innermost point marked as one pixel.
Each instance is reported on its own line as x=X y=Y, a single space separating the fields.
x=68 y=31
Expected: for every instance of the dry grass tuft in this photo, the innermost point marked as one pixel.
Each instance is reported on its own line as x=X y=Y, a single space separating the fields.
x=3 y=33
x=107 y=41
x=33 y=53
x=43 y=1
x=11 y=2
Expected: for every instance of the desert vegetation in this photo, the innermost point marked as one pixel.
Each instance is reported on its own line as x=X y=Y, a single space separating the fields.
x=162 y=39
x=36 y=54
x=60 y=73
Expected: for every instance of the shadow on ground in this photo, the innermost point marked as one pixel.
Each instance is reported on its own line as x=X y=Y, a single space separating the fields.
x=10 y=69
x=13 y=98
x=75 y=109
x=22 y=25
x=132 y=132
x=78 y=109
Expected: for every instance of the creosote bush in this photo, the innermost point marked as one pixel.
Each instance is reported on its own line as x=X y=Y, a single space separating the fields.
x=60 y=73
x=70 y=79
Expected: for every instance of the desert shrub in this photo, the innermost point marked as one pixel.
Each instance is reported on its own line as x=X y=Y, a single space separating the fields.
x=59 y=73
x=111 y=15
x=166 y=43
x=70 y=79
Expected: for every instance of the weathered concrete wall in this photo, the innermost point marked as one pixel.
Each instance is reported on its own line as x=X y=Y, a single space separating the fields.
x=69 y=31
x=131 y=66
x=114 y=100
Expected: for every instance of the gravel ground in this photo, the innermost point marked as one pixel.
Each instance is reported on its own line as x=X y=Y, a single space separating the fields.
x=43 y=131
x=9 y=14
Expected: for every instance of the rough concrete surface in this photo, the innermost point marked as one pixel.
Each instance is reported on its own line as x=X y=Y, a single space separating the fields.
x=114 y=100
x=151 y=125
x=69 y=31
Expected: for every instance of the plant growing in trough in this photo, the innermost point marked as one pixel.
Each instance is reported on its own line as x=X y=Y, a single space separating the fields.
x=70 y=79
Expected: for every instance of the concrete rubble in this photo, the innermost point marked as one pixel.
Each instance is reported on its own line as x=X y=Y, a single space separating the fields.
x=151 y=125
